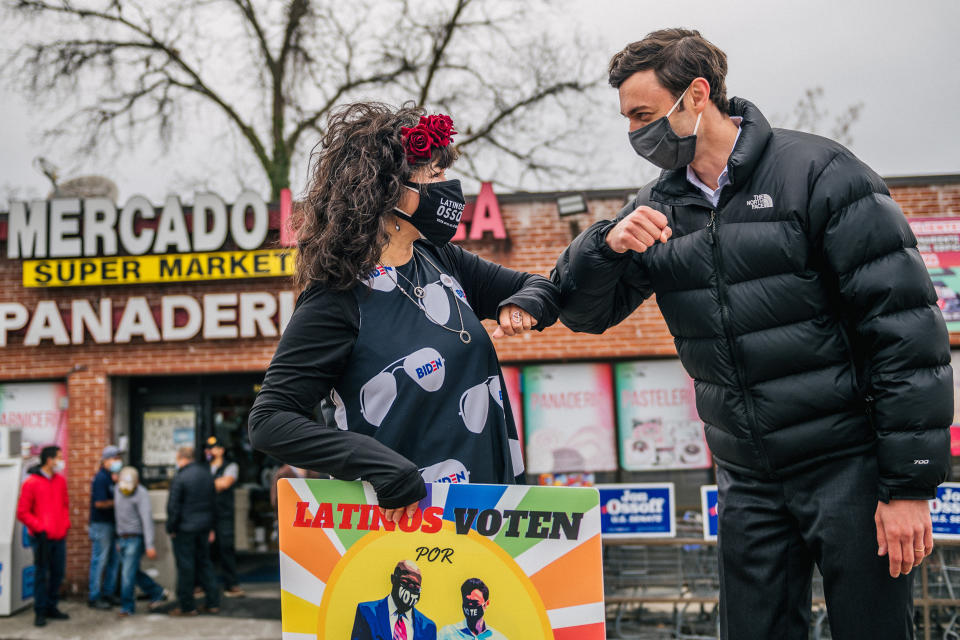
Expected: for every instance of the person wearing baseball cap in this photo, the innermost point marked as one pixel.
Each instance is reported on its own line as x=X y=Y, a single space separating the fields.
x=104 y=561
x=225 y=474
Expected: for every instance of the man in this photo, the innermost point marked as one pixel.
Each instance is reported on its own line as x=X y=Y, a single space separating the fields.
x=135 y=536
x=476 y=599
x=395 y=617
x=804 y=313
x=104 y=561
x=44 y=509
x=190 y=509
x=225 y=476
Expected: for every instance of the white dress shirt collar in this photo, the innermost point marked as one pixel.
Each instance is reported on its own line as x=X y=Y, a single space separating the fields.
x=713 y=195
x=395 y=614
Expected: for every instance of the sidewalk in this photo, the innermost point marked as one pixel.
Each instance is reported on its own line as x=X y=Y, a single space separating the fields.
x=255 y=617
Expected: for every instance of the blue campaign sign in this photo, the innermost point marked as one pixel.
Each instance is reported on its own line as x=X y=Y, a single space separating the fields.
x=637 y=510
x=945 y=511
x=708 y=503
x=27 y=582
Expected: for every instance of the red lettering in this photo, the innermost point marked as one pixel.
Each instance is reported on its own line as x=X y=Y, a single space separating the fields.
x=411 y=523
x=378 y=520
x=301 y=519
x=347 y=510
x=431 y=520
x=324 y=517
x=365 y=512
x=486 y=215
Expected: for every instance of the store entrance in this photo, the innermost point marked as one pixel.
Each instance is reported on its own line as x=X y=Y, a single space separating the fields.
x=167 y=412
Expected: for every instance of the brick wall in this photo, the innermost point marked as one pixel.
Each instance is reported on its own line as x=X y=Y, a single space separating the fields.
x=536 y=237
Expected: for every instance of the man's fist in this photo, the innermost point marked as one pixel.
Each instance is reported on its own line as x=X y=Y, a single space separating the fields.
x=639 y=231
x=152 y=554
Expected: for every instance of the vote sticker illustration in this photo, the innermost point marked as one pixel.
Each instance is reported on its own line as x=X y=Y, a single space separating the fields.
x=490 y=561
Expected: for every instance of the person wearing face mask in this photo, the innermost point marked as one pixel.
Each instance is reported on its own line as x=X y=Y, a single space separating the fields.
x=44 y=509
x=104 y=559
x=476 y=599
x=386 y=331
x=395 y=617
x=803 y=311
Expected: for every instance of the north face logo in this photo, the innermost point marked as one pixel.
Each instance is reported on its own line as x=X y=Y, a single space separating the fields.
x=760 y=201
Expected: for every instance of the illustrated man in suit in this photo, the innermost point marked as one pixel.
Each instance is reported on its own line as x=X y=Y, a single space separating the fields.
x=394 y=617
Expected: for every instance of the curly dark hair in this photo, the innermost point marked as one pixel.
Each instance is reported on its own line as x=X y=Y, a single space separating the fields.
x=357 y=172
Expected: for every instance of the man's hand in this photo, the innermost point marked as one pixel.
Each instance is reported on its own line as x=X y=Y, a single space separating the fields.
x=639 y=231
x=513 y=321
x=394 y=515
x=152 y=553
x=904 y=533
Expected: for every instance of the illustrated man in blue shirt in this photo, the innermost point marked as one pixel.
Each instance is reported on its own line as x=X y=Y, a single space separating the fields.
x=476 y=599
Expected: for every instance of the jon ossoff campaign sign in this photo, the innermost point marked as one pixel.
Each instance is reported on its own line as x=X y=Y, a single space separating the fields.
x=523 y=563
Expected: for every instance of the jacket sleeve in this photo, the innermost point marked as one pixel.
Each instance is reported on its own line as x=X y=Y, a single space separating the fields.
x=25 y=509
x=65 y=497
x=490 y=287
x=313 y=352
x=599 y=287
x=145 y=513
x=175 y=504
x=897 y=330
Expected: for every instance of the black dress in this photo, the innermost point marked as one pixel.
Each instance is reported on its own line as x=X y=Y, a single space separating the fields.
x=409 y=397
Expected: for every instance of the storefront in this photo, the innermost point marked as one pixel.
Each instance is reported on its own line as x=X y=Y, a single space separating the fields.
x=136 y=324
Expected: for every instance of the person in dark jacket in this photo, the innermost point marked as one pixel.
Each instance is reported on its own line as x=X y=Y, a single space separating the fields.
x=225 y=474
x=104 y=559
x=190 y=514
x=387 y=329
x=44 y=509
x=803 y=311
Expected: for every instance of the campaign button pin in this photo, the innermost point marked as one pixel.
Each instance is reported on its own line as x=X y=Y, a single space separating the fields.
x=446 y=280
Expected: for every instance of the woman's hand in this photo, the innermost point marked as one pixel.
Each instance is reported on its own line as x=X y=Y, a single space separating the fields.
x=394 y=515
x=513 y=321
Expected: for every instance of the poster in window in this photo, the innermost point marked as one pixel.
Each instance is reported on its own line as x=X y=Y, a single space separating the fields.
x=938 y=240
x=474 y=561
x=955 y=427
x=164 y=432
x=39 y=410
x=511 y=380
x=657 y=417
x=568 y=418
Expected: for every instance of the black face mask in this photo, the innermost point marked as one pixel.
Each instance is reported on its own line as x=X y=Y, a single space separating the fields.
x=472 y=612
x=405 y=595
x=438 y=215
x=659 y=143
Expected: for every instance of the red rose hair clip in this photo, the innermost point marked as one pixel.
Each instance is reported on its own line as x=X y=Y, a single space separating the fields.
x=430 y=132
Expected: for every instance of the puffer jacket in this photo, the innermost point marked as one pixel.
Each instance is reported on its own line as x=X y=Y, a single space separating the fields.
x=799 y=305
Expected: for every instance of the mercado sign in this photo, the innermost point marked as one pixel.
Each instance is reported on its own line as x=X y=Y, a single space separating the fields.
x=93 y=241
x=533 y=553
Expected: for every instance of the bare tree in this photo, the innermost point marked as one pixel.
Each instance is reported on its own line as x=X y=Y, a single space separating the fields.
x=809 y=115
x=275 y=70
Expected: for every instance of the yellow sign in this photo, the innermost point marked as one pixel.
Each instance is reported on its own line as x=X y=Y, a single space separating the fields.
x=182 y=267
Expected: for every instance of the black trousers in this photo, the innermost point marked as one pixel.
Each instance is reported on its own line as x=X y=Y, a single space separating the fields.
x=225 y=552
x=49 y=562
x=772 y=532
x=192 y=554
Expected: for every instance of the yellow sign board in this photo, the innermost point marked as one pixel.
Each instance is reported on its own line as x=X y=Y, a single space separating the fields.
x=182 y=267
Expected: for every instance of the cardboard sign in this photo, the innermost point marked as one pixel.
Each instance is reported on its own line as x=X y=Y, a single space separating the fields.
x=536 y=552
x=637 y=510
x=945 y=512
x=708 y=503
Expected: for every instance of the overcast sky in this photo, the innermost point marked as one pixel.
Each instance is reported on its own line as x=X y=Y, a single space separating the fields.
x=899 y=59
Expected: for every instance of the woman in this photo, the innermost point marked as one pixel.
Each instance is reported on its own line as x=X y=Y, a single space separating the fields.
x=387 y=329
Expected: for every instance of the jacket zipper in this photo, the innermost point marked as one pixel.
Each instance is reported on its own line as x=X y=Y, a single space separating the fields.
x=731 y=342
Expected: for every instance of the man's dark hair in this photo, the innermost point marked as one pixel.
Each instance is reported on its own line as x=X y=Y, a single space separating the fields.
x=678 y=57
x=472 y=584
x=48 y=453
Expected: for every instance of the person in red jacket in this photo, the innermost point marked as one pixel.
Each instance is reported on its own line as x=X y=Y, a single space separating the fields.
x=44 y=509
